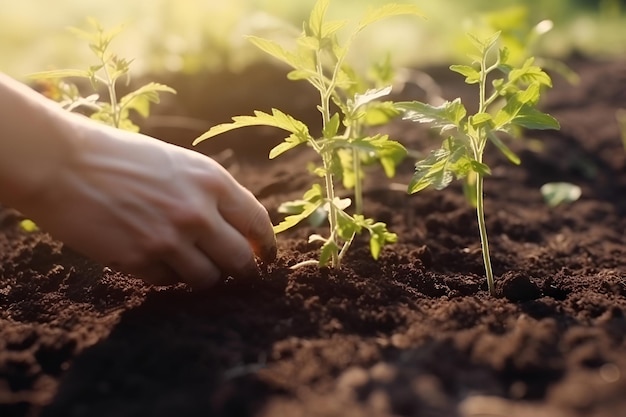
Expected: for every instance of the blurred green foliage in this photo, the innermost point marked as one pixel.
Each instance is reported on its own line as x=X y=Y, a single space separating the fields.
x=190 y=35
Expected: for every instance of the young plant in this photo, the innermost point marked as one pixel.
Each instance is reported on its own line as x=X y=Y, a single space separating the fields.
x=105 y=73
x=519 y=88
x=319 y=59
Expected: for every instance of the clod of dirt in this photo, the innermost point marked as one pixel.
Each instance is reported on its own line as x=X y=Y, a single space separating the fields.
x=519 y=287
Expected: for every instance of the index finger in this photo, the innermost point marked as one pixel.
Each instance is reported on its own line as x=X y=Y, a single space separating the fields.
x=244 y=212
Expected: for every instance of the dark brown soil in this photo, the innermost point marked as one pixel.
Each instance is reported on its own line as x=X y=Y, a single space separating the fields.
x=414 y=334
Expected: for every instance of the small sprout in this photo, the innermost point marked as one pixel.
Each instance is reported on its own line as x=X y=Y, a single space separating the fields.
x=342 y=145
x=106 y=72
x=511 y=104
x=555 y=193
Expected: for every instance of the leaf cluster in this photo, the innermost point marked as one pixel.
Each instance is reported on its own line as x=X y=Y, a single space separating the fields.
x=319 y=58
x=106 y=73
x=512 y=103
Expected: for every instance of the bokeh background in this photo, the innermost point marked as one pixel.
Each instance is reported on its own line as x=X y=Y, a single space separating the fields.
x=194 y=35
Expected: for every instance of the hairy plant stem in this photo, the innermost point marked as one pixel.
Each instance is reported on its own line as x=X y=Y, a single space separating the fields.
x=478 y=148
x=110 y=83
x=325 y=94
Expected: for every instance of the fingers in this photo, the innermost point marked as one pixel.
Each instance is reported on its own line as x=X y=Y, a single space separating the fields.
x=193 y=267
x=229 y=249
x=243 y=211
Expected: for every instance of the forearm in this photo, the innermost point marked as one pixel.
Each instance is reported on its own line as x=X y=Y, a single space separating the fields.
x=36 y=140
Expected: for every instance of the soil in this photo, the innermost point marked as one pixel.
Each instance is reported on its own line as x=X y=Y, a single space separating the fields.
x=414 y=334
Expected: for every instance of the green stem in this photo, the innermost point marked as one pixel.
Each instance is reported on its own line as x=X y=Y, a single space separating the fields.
x=358 y=187
x=325 y=94
x=482 y=230
x=479 y=147
x=112 y=94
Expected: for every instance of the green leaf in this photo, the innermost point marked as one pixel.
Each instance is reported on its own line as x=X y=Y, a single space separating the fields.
x=446 y=116
x=555 y=193
x=332 y=127
x=441 y=166
x=387 y=10
x=380 y=113
x=274 y=49
x=329 y=248
x=480 y=168
x=511 y=156
x=316 y=18
x=290 y=221
x=531 y=118
x=276 y=119
x=529 y=74
x=62 y=73
x=479 y=120
x=515 y=104
x=471 y=74
x=290 y=142
x=367 y=97
x=140 y=99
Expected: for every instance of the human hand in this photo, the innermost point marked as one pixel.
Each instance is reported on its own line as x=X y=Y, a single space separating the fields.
x=159 y=211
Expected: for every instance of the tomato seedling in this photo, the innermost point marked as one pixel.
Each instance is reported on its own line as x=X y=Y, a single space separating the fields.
x=512 y=103
x=320 y=59
x=104 y=73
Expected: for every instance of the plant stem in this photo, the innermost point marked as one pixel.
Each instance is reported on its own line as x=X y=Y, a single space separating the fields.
x=112 y=94
x=479 y=147
x=325 y=94
x=358 y=188
x=482 y=230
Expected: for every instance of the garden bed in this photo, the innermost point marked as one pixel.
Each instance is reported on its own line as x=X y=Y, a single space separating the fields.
x=414 y=334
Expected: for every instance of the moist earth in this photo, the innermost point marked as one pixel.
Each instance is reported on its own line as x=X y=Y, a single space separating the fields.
x=412 y=334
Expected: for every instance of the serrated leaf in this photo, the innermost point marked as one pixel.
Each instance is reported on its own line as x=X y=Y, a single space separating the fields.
x=480 y=167
x=387 y=10
x=332 y=127
x=367 y=97
x=329 y=249
x=471 y=74
x=290 y=142
x=277 y=119
x=506 y=151
x=140 y=99
x=446 y=116
x=308 y=42
x=479 y=120
x=62 y=73
x=515 y=104
x=380 y=113
x=441 y=166
x=531 y=118
x=292 y=220
x=316 y=18
x=274 y=49
x=329 y=29
x=529 y=74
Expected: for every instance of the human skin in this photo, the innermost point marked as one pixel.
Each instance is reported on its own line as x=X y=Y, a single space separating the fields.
x=161 y=212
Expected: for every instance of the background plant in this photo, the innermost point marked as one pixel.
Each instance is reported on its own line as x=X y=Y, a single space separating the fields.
x=319 y=58
x=468 y=135
x=105 y=73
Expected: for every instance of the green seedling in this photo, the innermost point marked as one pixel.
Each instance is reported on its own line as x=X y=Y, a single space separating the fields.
x=556 y=193
x=105 y=73
x=522 y=38
x=342 y=146
x=515 y=90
